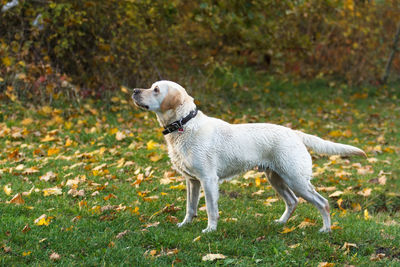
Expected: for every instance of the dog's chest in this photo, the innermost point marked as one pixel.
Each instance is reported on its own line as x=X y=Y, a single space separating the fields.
x=180 y=155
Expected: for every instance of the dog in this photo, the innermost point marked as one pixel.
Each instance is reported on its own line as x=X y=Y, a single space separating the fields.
x=208 y=150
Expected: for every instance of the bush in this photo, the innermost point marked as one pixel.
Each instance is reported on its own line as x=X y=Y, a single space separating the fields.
x=98 y=45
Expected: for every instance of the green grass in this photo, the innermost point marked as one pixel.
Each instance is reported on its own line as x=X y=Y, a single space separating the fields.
x=246 y=233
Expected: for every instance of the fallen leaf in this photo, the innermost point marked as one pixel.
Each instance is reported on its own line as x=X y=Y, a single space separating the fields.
x=366 y=215
x=365 y=170
x=54 y=256
x=7 y=189
x=26 y=228
x=122 y=234
x=26 y=253
x=31 y=170
x=213 y=257
x=109 y=196
x=53 y=151
x=49 y=176
x=196 y=239
x=295 y=245
x=326 y=264
x=270 y=200
x=365 y=192
x=287 y=230
x=181 y=186
x=346 y=246
x=151 y=145
x=382 y=180
x=148 y=225
x=52 y=191
x=377 y=257
x=43 y=220
x=326 y=189
x=76 y=193
x=155 y=157
x=120 y=136
x=306 y=223
x=17 y=199
x=336 y=194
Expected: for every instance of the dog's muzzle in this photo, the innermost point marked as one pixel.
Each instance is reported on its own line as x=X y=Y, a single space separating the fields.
x=137 y=98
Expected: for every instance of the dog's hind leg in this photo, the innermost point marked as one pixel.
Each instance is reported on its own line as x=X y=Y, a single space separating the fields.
x=284 y=191
x=303 y=188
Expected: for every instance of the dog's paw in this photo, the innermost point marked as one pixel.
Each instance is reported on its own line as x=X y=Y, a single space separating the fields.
x=209 y=228
x=181 y=224
x=279 y=221
x=325 y=230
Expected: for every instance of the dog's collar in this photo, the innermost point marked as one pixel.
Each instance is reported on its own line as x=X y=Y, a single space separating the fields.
x=178 y=125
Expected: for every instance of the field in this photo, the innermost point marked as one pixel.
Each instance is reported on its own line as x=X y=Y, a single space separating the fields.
x=91 y=183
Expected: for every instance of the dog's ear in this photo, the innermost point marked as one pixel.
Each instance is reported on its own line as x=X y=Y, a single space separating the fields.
x=171 y=101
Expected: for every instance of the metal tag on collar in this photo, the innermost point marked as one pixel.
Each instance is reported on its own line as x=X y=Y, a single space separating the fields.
x=180 y=129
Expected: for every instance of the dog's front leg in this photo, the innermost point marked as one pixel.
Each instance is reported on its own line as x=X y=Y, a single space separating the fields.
x=192 y=200
x=210 y=187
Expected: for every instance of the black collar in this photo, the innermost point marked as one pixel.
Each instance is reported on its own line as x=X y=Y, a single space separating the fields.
x=178 y=125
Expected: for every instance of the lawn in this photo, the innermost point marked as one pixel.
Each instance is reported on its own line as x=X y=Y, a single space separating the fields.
x=91 y=184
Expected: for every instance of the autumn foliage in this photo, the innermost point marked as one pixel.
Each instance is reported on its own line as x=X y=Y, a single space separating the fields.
x=79 y=48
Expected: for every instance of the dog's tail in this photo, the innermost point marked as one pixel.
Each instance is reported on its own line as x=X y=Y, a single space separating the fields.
x=327 y=147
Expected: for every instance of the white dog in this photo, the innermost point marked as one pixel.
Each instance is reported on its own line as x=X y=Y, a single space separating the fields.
x=207 y=150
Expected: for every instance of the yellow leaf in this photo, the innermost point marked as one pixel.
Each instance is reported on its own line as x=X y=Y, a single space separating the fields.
x=53 y=151
x=135 y=210
x=180 y=186
x=155 y=157
x=124 y=90
x=197 y=239
x=7 y=189
x=335 y=227
x=113 y=131
x=52 y=191
x=287 y=230
x=339 y=202
x=115 y=99
x=24 y=254
x=6 y=61
x=47 y=110
x=153 y=252
x=151 y=145
x=336 y=133
x=366 y=215
x=27 y=121
x=43 y=220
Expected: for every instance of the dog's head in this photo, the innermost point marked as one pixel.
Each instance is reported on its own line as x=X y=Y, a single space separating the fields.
x=161 y=97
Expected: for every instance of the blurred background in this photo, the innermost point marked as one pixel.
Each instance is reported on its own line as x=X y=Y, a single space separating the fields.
x=80 y=48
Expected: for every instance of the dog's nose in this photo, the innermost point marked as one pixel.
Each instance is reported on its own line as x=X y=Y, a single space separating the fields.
x=136 y=91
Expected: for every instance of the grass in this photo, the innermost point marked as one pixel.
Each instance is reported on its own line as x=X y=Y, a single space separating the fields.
x=85 y=229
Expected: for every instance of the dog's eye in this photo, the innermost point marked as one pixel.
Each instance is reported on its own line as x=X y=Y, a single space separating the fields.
x=156 y=89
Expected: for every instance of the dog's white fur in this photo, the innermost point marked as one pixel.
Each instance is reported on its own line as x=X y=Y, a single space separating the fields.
x=210 y=150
